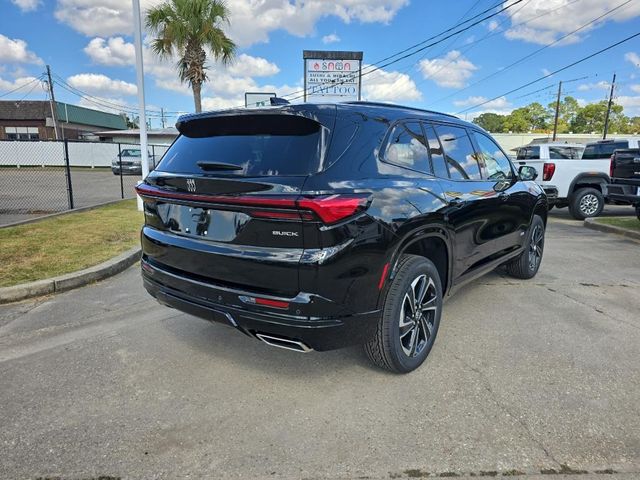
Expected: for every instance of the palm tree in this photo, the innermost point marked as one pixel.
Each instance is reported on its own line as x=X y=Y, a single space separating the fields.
x=186 y=28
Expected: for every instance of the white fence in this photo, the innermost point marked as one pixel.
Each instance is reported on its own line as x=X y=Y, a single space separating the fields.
x=81 y=154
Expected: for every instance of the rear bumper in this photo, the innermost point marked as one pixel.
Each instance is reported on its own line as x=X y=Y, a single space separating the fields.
x=623 y=192
x=224 y=305
x=551 y=192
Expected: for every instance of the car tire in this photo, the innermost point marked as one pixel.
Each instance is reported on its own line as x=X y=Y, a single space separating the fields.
x=550 y=207
x=115 y=172
x=404 y=337
x=526 y=265
x=586 y=203
x=638 y=212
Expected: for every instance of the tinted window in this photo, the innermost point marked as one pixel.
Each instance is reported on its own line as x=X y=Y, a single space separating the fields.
x=438 y=163
x=529 y=153
x=458 y=152
x=559 y=153
x=602 y=150
x=407 y=148
x=261 y=145
x=495 y=163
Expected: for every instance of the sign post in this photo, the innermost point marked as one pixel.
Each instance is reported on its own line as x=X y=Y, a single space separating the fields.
x=332 y=75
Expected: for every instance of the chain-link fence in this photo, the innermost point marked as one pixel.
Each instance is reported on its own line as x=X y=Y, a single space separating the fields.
x=38 y=178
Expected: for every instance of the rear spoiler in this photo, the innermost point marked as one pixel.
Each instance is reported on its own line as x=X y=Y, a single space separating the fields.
x=229 y=121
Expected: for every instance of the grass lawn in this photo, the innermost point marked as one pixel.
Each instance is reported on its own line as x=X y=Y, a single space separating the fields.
x=67 y=243
x=632 y=223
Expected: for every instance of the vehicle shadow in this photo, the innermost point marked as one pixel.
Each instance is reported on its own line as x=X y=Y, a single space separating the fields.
x=225 y=344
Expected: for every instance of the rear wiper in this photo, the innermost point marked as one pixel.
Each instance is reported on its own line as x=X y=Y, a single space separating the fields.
x=207 y=166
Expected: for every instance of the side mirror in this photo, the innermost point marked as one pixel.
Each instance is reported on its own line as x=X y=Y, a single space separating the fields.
x=526 y=172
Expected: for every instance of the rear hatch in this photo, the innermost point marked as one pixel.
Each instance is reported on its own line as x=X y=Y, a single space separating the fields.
x=223 y=205
x=626 y=164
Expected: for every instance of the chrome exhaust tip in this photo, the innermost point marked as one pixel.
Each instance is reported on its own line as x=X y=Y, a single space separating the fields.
x=285 y=343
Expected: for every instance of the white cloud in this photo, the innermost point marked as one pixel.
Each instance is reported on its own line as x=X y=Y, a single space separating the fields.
x=546 y=22
x=631 y=104
x=635 y=88
x=27 y=5
x=601 y=85
x=633 y=58
x=113 y=52
x=498 y=104
x=453 y=70
x=6 y=85
x=251 y=20
x=389 y=86
x=546 y=72
x=98 y=84
x=246 y=65
x=331 y=38
x=493 y=24
x=15 y=51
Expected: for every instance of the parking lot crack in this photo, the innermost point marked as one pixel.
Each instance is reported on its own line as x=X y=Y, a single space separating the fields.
x=594 y=308
x=503 y=407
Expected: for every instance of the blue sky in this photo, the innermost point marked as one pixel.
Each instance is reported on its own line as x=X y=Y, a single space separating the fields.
x=88 y=44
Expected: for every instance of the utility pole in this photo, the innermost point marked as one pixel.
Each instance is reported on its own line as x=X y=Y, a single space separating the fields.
x=162 y=115
x=606 y=118
x=555 y=121
x=52 y=101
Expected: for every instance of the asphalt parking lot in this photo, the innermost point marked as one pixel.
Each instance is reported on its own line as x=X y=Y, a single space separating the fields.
x=526 y=377
x=27 y=193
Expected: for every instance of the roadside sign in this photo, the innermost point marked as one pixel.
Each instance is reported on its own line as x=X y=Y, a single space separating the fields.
x=332 y=75
x=258 y=99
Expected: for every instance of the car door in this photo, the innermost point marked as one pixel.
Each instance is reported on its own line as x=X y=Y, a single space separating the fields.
x=509 y=203
x=467 y=213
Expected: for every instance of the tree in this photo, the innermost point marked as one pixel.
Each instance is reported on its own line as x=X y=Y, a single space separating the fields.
x=187 y=28
x=132 y=122
x=568 y=110
x=491 y=122
x=590 y=119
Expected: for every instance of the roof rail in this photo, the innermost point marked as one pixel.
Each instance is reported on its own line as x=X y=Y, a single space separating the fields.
x=393 y=105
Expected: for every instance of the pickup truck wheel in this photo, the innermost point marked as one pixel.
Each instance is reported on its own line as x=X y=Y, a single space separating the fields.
x=410 y=317
x=586 y=202
x=638 y=212
x=526 y=265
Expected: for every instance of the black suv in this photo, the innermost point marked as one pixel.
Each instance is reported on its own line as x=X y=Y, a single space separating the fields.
x=317 y=226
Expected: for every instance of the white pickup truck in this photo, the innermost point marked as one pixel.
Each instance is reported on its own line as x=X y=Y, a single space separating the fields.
x=574 y=175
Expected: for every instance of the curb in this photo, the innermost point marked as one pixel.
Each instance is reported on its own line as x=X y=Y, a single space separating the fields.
x=70 y=281
x=601 y=227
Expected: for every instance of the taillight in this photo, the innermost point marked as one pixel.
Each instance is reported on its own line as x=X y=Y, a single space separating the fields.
x=548 y=169
x=328 y=208
x=333 y=208
x=612 y=165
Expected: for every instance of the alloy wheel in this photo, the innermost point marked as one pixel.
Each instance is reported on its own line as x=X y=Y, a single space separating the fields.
x=535 y=247
x=589 y=204
x=418 y=315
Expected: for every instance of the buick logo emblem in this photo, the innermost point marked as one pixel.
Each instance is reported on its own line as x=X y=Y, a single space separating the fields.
x=191 y=185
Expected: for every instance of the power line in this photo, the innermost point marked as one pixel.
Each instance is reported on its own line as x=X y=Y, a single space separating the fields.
x=493 y=33
x=403 y=55
x=583 y=59
x=22 y=86
x=535 y=52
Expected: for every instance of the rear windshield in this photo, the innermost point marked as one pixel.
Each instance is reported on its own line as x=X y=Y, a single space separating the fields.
x=258 y=145
x=602 y=150
x=529 y=153
x=557 y=153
